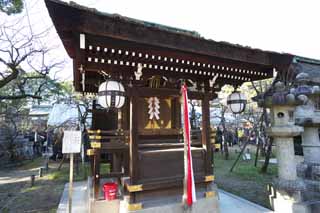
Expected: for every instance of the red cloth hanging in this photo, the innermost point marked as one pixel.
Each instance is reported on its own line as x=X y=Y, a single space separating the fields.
x=190 y=192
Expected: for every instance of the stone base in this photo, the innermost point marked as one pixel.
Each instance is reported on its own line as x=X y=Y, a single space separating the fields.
x=156 y=204
x=288 y=203
x=310 y=173
x=112 y=206
x=203 y=205
x=286 y=196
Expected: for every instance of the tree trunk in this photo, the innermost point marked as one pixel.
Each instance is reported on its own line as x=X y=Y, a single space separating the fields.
x=268 y=154
x=257 y=152
x=225 y=148
x=224 y=142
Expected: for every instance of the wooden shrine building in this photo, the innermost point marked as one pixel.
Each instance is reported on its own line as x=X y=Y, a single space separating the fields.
x=152 y=60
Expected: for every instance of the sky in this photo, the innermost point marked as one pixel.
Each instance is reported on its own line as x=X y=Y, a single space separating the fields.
x=289 y=26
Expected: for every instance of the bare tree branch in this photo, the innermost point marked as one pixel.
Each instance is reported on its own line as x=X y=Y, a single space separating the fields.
x=23 y=62
x=9 y=97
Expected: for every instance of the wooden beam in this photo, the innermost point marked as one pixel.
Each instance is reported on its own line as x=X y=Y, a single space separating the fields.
x=167 y=183
x=174 y=58
x=166 y=92
x=156 y=55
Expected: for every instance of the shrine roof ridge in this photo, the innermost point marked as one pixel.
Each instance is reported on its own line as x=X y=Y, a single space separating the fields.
x=161 y=27
x=131 y=20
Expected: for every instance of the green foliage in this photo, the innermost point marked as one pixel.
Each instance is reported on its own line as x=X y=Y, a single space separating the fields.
x=11 y=6
x=63 y=173
x=246 y=180
x=30 y=83
x=31 y=164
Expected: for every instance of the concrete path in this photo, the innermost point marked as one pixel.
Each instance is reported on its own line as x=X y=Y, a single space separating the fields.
x=13 y=176
x=230 y=203
x=79 y=198
x=271 y=161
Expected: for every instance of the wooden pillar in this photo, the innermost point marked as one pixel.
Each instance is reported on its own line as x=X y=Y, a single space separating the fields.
x=133 y=144
x=206 y=134
x=133 y=149
x=94 y=114
x=116 y=162
x=126 y=115
x=80 y=55
x=120 y=119
x=91 y=157
x=96 y=177
x=176 y=113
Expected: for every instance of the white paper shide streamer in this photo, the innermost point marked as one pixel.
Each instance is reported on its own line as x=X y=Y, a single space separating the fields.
x=154 y=108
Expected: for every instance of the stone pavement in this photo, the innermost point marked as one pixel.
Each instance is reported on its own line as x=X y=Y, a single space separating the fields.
x=230 y=203
x=79 y=198
x=15 y=176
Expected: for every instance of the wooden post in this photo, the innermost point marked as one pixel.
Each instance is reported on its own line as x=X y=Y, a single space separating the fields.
x=206 y=134
x=70 y=182
x=96 y=177
x=32 y=178
x=119 y=118
x=133 y=139
x=133 y=146
x=116 y=162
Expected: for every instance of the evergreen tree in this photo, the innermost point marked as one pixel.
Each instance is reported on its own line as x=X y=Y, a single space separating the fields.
x=11 y=6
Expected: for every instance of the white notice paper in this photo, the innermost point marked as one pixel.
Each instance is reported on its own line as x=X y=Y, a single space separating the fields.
x=71 y=142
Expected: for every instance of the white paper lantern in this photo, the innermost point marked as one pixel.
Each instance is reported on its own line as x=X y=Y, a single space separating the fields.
x=236 y=102
x=111 y=94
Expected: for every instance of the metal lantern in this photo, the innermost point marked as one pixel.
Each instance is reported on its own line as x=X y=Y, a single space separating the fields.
x=111 y=94
x=236 y=102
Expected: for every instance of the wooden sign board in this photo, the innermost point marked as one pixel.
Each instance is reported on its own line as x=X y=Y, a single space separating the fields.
x=71 y=142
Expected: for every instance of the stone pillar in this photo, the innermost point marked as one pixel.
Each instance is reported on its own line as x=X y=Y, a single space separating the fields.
x=283 y=130
x=283 y=137
x=286 y=159
x=311 y=144
x=309 y=169
x=286 y=196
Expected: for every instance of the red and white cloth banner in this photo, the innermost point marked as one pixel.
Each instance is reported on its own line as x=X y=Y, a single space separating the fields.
x=190 y=191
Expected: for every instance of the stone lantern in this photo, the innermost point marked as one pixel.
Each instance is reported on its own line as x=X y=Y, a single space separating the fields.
x=286 y=191
x=308 y=116
x=283 y=130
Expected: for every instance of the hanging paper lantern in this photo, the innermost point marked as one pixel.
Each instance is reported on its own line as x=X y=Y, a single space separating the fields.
x=111 y=94
x=236 y=102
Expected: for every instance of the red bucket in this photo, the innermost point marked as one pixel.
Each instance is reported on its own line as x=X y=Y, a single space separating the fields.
x=110 y=190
